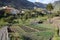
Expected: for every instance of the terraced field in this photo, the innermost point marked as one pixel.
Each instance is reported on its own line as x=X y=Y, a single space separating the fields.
x=33 y=32
x=39 y=35
x=30 y=33
x=29 y=29
x=36 y=31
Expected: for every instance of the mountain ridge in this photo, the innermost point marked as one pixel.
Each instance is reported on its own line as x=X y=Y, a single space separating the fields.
x=56 y=5
x=21 y=4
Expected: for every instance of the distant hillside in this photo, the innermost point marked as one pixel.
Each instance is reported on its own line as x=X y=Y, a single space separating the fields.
x=40 y=5
x=17 y=3
x=21 y=4
x=56 y=5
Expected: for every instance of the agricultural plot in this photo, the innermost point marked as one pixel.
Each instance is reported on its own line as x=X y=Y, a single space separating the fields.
x=31 y=33
x=38 y=35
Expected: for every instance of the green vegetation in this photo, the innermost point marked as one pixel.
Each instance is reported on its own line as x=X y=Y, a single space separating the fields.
x=49 y=7
x=31 y=24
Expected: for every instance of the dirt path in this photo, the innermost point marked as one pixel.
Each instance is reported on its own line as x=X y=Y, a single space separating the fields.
x=4 y=33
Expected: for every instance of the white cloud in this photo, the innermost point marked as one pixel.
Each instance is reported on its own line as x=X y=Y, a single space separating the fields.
x=37 y=0
x=47 y=1
x=43 y=1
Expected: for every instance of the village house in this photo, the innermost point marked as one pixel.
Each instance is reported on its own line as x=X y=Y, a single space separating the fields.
x=10 y=10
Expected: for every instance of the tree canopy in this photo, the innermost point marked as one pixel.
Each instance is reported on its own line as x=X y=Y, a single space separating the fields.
x=49 y=7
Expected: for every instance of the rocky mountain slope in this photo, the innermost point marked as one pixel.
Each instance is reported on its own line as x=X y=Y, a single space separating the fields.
x=56 y=5
x=21 y=4
x=40 y=5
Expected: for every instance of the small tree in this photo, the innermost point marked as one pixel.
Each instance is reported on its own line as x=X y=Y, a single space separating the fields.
x=49 y=7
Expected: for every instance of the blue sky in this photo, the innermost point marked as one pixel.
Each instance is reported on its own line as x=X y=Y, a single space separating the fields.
x=43 y=1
